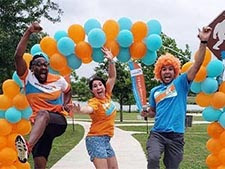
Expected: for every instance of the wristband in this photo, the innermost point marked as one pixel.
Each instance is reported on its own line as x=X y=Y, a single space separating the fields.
x=204 y=41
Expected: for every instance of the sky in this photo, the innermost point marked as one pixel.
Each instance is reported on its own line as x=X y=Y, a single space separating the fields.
x=180 y=19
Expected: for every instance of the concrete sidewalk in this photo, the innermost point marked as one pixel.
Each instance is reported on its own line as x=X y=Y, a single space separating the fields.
x=128 y=151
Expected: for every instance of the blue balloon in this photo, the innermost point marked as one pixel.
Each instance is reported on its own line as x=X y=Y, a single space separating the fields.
x=223 y=54
x=96 y=38
x=35 y=49
x=13 y=115
x=16 y=78
x=73 y=61
x=60 y=34
x=98 y=55
x=209 y=85
x=125 y=38
x=196 y=87
x=2 y=114
x=66 y=46
x=222 y=120
x=154 y=27
x=26 y=113
x=124 y=55
x=215 y=68
x=125 y=23
x=211 y=114
x=91 y=24
x=153 y=42
x=149 y=58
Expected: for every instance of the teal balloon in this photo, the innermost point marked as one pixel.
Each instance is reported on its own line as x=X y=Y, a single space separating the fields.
x=35 y=49
x=98 y=55
x=52 y=71
x=125 y=23
x=66 y=46
x=13 y=115
x=73 y=61
x=153 y=42
x=215 y=68
x=96 y=38
x=222 y=120
x=91 y=24
x=124 y=55
x=211 y=114
x=196 y=87
x=2 y=114
x=60 y=34
x=125 y=38
x=16 y=78
x=154 y=27
x=209 y=85
x=149 y=58
x=26 y=113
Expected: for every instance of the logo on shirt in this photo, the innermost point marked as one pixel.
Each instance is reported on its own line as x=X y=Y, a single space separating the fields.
x=170 y=91
x=109 y=108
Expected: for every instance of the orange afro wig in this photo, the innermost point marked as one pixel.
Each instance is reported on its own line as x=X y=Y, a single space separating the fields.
x=164 y=60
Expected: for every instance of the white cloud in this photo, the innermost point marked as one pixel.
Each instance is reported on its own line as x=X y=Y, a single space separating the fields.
x=180 y=19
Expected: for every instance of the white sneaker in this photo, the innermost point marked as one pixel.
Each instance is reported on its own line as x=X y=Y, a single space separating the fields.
x=21 y=148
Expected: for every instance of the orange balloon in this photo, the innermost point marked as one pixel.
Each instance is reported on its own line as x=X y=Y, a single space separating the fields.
x=22 y=127
x=20 y=165
x=66 y=71
x=222 y=138
x=10 y=88
x=8 y=156
x=201 y=74
x=214 y=129
x=11 y=140
x=27 y=57
x=8 y=167
x=203 y=99
x=207 y=57
x=49 y=45
x=212 y=161
x=111 y=29
x=213 y=145
x=76 y=32
x=20 y=101
x=138 y=50
x=221 y=156
x=221 y=167
x=139 y=30
x=113 y=46
x=58 y=62
x=87 y=60
x=5 y=101
x=3 y=142
x=5 y=127
x=218 y=100
x=222 y=87
x=186 y=66
x=83 y=50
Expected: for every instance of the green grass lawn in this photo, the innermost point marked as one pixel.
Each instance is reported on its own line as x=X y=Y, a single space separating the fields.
x=195 y=151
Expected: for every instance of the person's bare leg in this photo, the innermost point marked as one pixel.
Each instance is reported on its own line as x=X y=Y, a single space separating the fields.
x=40 y=163
x=41 y=121
x=112 y=163
x=100 y=163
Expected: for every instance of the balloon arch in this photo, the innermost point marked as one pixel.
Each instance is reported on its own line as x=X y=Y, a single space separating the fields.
x=68 y=50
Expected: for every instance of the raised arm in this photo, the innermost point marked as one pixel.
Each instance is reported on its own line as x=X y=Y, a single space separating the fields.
x=203 y=36
x=21 y=48
x=111 y=70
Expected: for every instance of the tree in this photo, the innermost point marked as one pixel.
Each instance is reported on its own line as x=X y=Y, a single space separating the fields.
x=15 y=16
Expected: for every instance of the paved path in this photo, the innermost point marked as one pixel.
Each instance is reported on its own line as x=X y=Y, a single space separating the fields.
x=128 y=151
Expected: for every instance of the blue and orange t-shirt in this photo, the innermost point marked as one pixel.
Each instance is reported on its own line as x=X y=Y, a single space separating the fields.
x=103 y=116
x=47 y=96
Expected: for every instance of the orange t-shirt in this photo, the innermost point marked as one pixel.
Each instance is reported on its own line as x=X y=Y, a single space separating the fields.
x=103 y=116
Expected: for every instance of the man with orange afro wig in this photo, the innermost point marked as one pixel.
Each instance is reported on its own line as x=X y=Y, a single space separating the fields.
x=168 y=105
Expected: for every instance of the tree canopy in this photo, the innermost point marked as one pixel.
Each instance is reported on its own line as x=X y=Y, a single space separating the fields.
x=15 y=16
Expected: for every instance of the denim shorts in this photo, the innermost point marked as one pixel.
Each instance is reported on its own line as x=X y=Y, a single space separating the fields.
x=99 y=147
